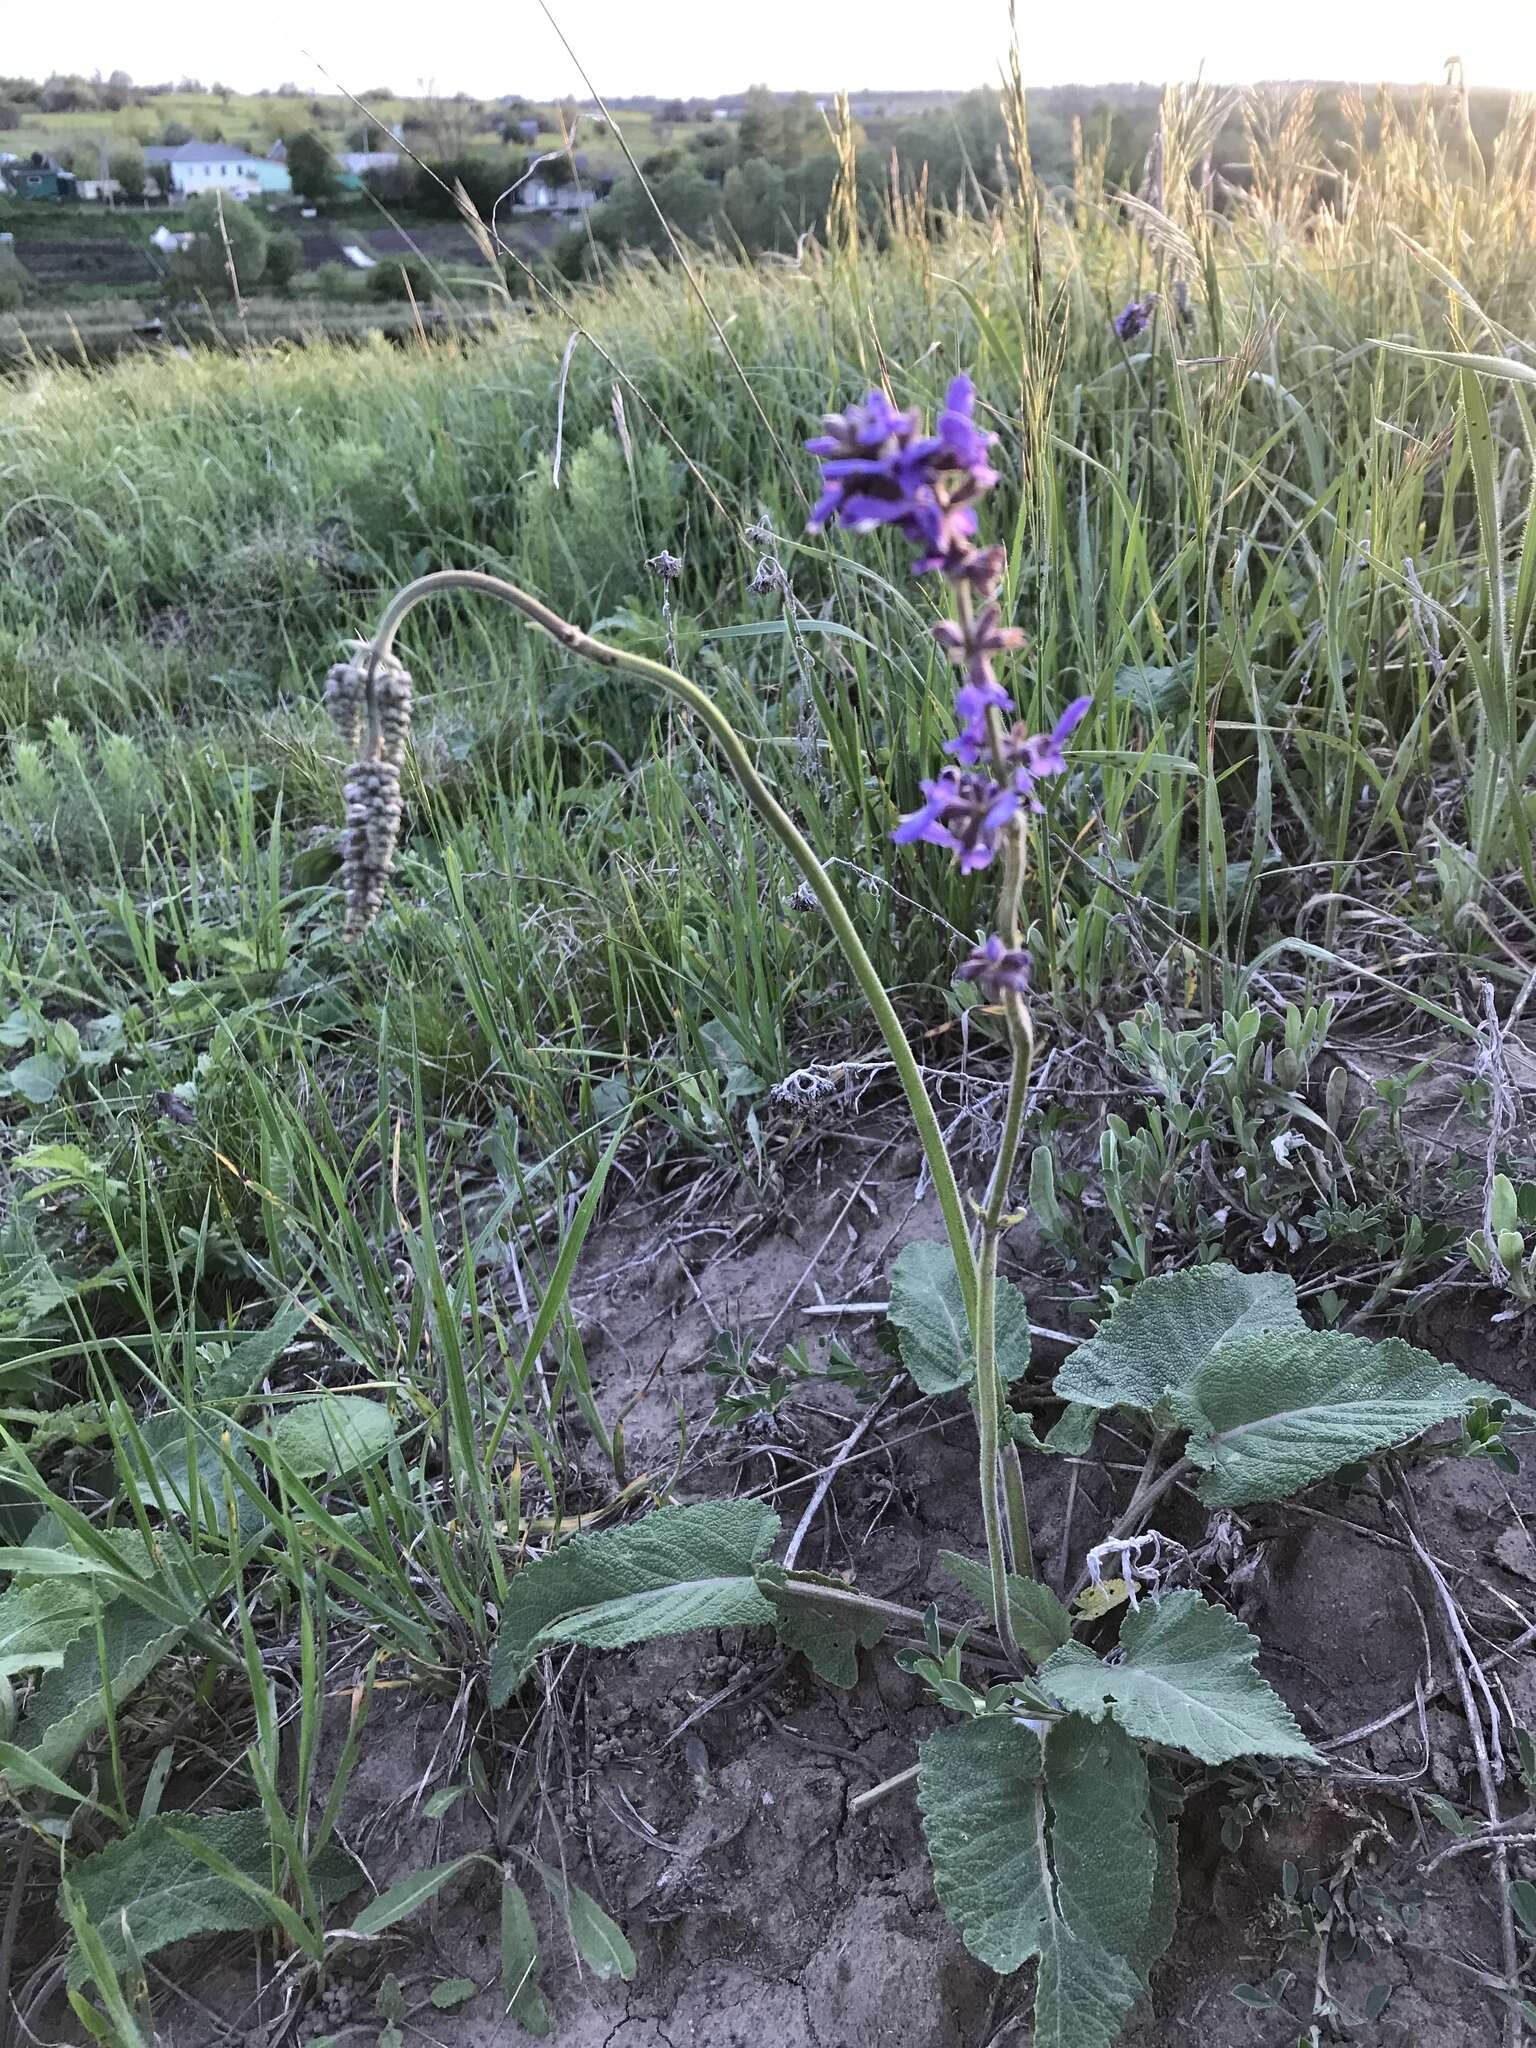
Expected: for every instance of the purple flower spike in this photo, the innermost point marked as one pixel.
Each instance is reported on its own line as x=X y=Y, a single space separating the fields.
x=1134 y=318
x=964 y=813
x=996 y=968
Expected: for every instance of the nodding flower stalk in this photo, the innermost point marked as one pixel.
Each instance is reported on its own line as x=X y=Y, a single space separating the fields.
x=364 y=696
x=880 y=469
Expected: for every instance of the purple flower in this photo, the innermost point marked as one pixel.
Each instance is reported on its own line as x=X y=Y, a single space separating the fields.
x=879 y=470
x=961 y=443
x=964 y=813
x=1041 y=754
x=995 y=968
x=1134 y=318
x=972 y=646
x=871 y=462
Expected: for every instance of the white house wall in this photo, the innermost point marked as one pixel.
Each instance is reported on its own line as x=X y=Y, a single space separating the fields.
x=240 y=179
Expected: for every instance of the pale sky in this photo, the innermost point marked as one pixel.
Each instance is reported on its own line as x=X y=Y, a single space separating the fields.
x=713 y=46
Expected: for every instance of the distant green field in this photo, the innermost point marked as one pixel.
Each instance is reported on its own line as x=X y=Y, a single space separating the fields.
x=255 y=121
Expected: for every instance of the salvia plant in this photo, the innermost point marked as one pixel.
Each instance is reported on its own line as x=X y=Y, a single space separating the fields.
x=1050 y=1795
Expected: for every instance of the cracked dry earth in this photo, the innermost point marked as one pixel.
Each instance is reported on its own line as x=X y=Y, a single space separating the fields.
x=703 y=1788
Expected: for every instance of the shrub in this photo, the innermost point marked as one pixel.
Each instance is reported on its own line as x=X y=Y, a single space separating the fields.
x=285 y=257
x=13 y=280
x=127 y=167
x=402 y=278
x=205 y=263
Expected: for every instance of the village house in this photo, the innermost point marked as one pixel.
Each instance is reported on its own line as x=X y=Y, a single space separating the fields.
x=37 y=177
x=196 y=167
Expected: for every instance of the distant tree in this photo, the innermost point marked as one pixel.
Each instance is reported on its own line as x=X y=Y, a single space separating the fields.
x=205 y=263
x=10 y=115
x=127 y=167
x=312 y=167
x=672 y=110
x=285 y=257
x=114 y=94
x=61 y=95
x=174 y=134
x=484 y=180
x=756 y=199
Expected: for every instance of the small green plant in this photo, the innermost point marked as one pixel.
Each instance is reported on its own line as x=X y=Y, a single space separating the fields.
x=1504 y=1249
x=1052 y=1838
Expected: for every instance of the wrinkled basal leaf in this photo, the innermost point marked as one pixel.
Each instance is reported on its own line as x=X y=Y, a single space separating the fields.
x=1047 y=1852
x=928 y=1315
x=1268 y=1415
x=70 y=1705
x=828 y=1637
x=332 y=1435
x=1186 y=1679
x=678 y=1569
x=165 y=1893
x=235 y=1375
x=1157 y=1338
x=39 y=1620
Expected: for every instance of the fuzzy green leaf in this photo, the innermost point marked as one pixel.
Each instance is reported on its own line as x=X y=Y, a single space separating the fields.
x=519 y=1964
x=678 y=1569
x=453 y=1992
x=1071 y=1434
x=35 y=1080
x=70 y=1704
x=400 y=1900
x=1046 y=1852
x=1269 y=1414
x=235 y=1376
x=829 y=1638
x=39 y=1619
x=1039 y=1622
x=164 y=1893
x=332 y=1435
x=598 y=1940
x=928 y=1315
x=1186 y=1679
x=1159 y=1336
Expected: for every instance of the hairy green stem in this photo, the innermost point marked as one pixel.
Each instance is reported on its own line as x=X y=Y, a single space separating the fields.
x=778 y=821
x=1021 y=1039
x=989 y=1388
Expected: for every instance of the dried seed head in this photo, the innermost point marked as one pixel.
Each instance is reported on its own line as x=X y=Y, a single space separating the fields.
x=368 y=844
x=665 y=565
x=371 y=691
x=369 y=697
x=345 y=699
x=392 y=705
